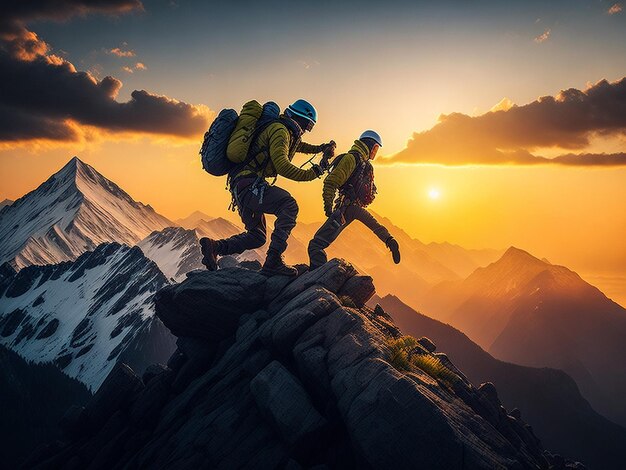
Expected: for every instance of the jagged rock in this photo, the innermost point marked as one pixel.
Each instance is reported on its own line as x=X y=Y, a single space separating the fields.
x=208 y=305
x=292 y=373
x=286 y=404
x=359 y=288
x=252 y=265
x=427 y=344
x=227 y=262
x=282 y=329
x=331 y=276
x=488 y=390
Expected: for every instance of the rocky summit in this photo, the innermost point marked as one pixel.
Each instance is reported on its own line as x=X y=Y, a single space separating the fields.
x=292 y=373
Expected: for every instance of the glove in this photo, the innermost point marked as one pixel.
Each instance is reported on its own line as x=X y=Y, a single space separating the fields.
x=393 y=246
x=324 y=164
x=328 y=149
x=318 y=170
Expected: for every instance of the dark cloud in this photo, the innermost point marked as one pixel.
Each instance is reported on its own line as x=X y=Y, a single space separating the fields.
x=14 y=13
x=43 y=96
x=566 y=121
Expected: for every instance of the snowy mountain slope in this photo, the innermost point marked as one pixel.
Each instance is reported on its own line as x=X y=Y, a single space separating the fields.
x=175 y=250
x=85 y=315
x=74 y=211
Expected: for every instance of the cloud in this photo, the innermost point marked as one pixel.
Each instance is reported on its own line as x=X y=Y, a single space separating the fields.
x=615 y=9
x=140 y=66
x=566 y=121
x=127 y=69
x=43 y=96
x=12 y=13
x=543 y=37
x=120 y=53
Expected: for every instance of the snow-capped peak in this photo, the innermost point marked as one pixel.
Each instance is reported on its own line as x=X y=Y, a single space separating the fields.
x=75 y=210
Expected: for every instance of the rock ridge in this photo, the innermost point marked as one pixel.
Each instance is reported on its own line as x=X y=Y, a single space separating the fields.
x=292 y=373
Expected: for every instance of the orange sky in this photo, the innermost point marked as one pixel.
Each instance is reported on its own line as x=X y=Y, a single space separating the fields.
x=398 y=75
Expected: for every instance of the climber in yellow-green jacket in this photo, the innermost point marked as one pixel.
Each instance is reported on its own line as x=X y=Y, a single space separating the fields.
x=271 y=154
x=351 y=178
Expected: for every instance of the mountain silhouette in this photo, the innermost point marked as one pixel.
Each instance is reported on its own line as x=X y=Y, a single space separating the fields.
x=549 y=398
x=193 y=219
x=525 y=310
x=74 y=211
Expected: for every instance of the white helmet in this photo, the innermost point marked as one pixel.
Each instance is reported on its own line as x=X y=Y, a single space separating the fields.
x=370 y=134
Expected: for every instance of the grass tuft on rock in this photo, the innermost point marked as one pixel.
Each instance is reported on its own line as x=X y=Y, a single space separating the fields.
x=406 y=354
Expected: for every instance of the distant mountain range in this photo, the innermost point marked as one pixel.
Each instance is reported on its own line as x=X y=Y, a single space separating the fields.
x=74 y=211
x=548 y=398
x=525 y=310
x=193 y=219
x=422 y=264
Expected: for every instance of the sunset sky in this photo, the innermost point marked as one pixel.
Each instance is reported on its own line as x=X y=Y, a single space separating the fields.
x=473 y=100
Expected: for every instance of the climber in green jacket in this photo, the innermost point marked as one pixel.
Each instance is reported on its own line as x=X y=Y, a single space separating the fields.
x=352 y=176
x=254 y=197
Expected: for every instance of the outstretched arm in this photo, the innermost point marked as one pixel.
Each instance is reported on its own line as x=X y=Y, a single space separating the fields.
x=279 y=154
x=303 y=147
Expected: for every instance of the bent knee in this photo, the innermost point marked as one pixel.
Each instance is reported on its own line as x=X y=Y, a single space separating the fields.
x=290 y=207
x=258 y=238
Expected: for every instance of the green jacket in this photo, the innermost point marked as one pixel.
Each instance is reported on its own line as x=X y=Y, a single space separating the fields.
x=277 y=139
x=341 y=172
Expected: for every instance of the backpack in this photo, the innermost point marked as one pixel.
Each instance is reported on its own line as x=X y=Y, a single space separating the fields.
x=360 y=186
x=226 y=144
x=213 y=150
x=253 y=119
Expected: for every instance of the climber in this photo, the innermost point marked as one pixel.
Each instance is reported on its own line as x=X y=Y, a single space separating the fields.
x=253 y=196
x=352 y=175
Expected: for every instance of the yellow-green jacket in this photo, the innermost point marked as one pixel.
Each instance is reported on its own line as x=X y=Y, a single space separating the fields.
x=341 y=172
x=277 y=139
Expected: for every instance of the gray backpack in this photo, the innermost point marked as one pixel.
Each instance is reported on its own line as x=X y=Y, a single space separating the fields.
x=213 y=150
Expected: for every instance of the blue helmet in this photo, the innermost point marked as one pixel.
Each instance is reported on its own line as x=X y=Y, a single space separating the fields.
x=370 y=134
x=304 y=109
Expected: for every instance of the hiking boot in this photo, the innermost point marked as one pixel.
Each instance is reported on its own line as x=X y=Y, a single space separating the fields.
x=393 y=246
x=275 y=266
x=209 y=256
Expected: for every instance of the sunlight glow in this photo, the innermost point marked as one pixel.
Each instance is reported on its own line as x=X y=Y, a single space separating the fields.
x=434 y=193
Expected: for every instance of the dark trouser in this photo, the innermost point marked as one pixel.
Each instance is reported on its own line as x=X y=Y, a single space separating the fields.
x=253 y=204
x=333 y=226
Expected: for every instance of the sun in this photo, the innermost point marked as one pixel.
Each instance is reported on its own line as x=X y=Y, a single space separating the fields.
x=434 y=193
